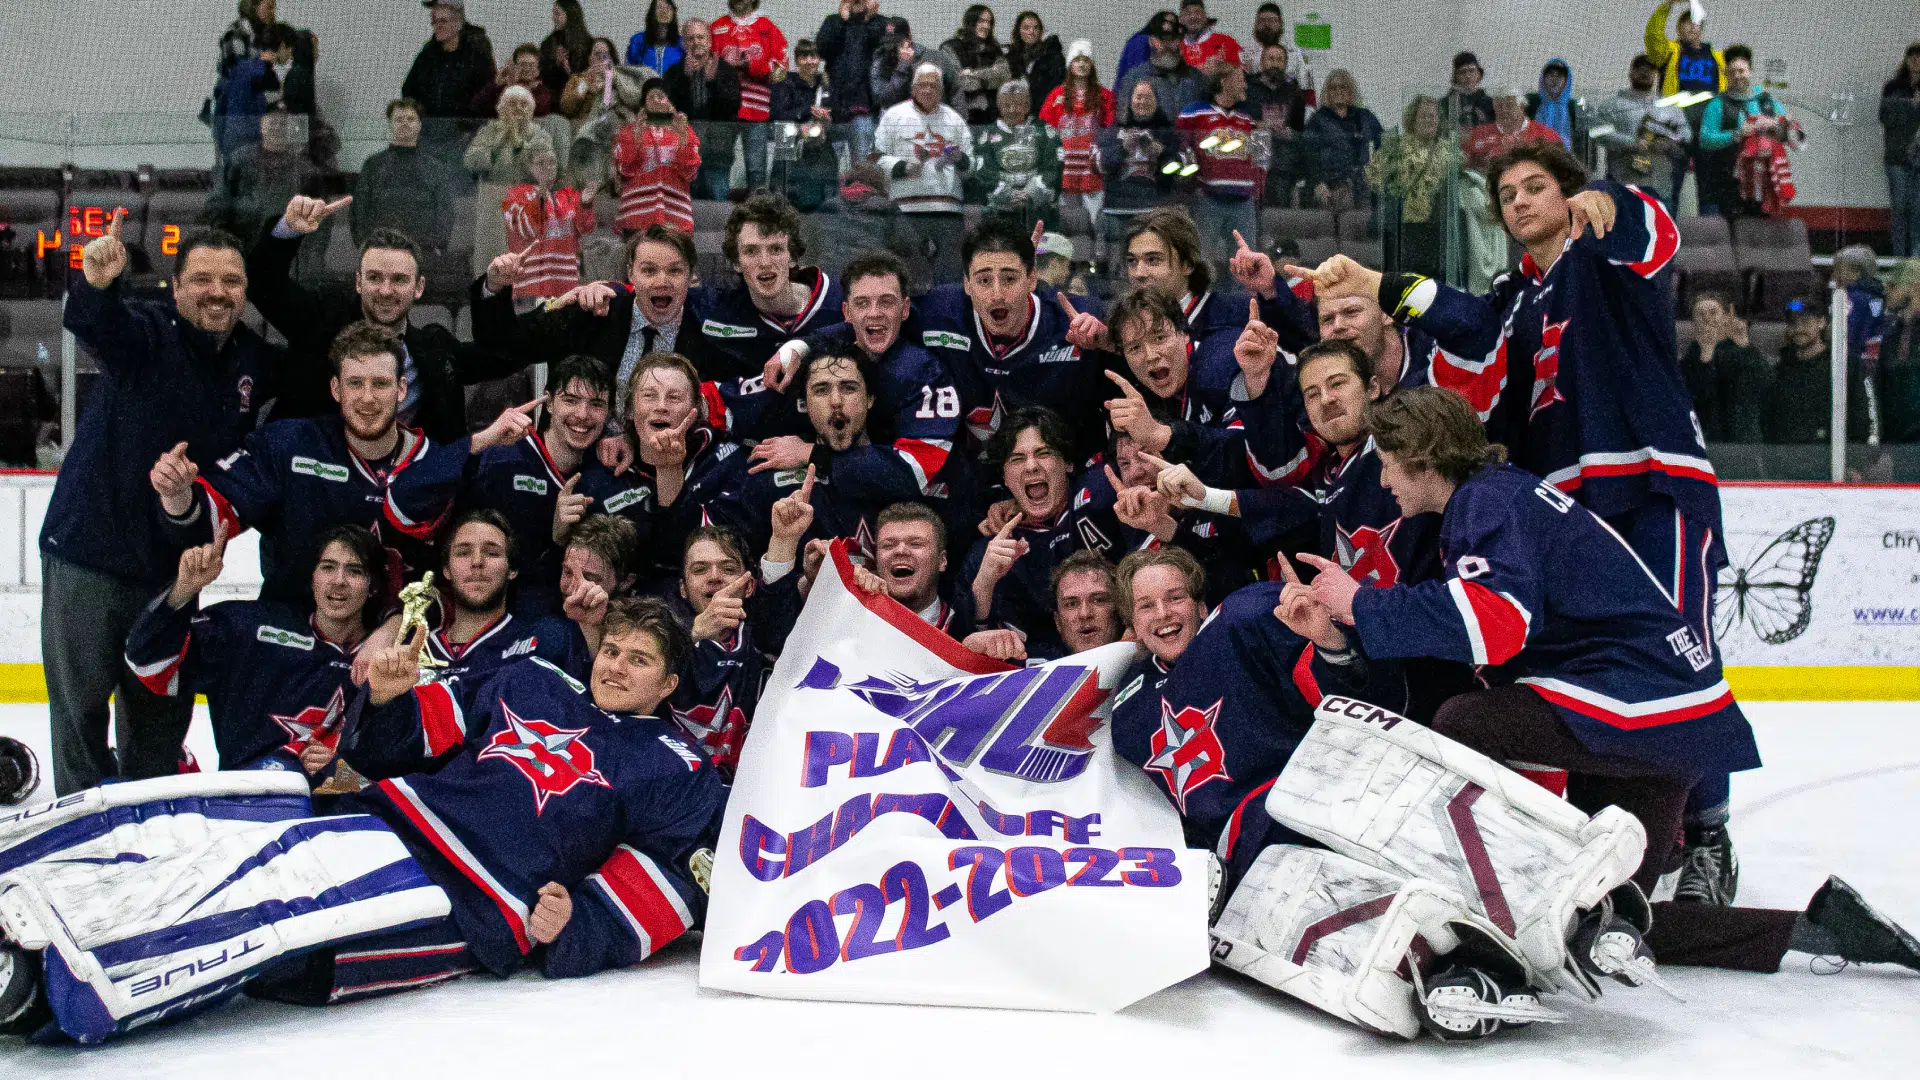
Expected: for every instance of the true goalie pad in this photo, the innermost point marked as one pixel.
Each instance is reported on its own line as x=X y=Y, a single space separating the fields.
x=1338 y=934
x=1384 y=790
x=158 y=897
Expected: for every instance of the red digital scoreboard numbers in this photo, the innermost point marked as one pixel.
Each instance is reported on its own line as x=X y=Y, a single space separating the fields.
x=84 y=223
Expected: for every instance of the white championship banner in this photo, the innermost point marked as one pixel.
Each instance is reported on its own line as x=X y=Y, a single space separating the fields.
x=912 y=823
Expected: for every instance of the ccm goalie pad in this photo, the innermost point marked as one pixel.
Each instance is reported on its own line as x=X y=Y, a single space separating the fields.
x=1389 y=954
x=1375 y=786
x=151 y=899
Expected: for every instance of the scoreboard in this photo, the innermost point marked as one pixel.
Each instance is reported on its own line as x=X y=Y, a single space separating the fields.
x=85 y=223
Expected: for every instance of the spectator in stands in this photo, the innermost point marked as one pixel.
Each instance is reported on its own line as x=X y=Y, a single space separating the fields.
x=709 y=93
x=1176 y=83
x=1857 y=270
x=1139 y=155
x=1202 y=44
x=982 y=64
x=1740 y=112
x=451 y=68
x=1466 y=105
x=1416 y=167
x=1726 y=376
x=1036 y=56
x=1139 y=44
x=805 y=168
x=1017 y=162
x=187 y=377
x=1799 y=405
x=237 y=42
x=656 y=159
x=544 y=223
x=587 y=92
x=1078 y=110
x=498 y=158
x=1900 y=357
x=402 y=188
x=1270 y=29
x=1083 y=607
x=258 y=179
x=1648 y=138
x=1688 y=64
x=895 y=60
x=567 y=49
x=846 y=42
x=1278 y=102
x=1218 y=137
x=1510 y=128
x=757 y=52
x=657 y=46
x=1339 y=138
x=1553 y=105
x=590 y=162
x=522 y=69
x=1900 y=117
x=923 y=145
x=387 y=283
x=250 y=88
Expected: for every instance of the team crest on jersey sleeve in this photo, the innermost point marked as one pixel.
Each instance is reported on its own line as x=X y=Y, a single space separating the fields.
x=553 y=759
x=1186 y=751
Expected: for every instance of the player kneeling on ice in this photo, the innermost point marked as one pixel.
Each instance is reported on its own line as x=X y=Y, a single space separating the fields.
x=574 y=833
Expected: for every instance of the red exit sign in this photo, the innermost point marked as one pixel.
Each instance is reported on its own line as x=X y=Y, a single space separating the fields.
x=89 y=222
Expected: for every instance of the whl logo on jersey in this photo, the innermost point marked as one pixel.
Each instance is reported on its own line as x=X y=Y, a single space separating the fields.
x=552 y=759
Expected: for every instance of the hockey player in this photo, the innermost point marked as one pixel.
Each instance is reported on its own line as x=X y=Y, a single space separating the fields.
x=276 y=676
x=477 y=633
x=601 y=550
x=655 y=159
x=737 y=626
x=749 y=43
x=295 y=478
x=1571 y=362
x=682 y=464
x=1595 y=670
x=1010 y=573
x=857 y=474
x=1128 y=490
x=1162 y=250
x=1176 y=417
x=1083 y=602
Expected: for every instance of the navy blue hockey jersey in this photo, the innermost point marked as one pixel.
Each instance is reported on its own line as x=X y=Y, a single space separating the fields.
x=1023 y=599
x=736 y=339
x=714 y=703
x=850 y=489
x=1542 y=592
x=551 y=788
x=294 y=479
x=713 y=467
x=275 y=684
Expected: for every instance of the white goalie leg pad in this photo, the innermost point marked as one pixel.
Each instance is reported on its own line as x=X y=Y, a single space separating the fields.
x=1378 y=787
x=153 y=897
x=1334 y=932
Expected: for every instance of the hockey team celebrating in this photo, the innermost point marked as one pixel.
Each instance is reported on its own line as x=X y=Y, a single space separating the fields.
x=1378 y=542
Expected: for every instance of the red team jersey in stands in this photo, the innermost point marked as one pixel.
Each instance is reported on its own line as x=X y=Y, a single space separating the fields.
x=1077 y=127
x=656 y=164
x=1221 y=141
x=763 y=46
x=1209 y=44
x=547 y=228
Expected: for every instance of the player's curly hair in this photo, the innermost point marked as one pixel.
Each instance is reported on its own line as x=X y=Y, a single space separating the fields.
x=1426 y=427
x=651 y=616
x=1179 y=558
x=772 y=214
x=1557 y=160
x=1054 y=434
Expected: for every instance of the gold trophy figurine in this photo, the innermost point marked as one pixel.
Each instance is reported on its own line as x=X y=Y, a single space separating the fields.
x=414 y=599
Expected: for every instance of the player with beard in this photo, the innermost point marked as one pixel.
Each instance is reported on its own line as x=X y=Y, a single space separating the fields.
x=915 y=388
x=276 y=676
x=849 y=477
x=1010 y=573
x=738 y=626
x=1083 y=602
x=293 y=479
x=387 y=282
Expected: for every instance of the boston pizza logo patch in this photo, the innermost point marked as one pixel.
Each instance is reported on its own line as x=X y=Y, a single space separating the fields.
x=553 y=759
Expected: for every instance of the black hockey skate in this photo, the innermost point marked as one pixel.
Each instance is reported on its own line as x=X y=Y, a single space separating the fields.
x=1861 y=934
x=1710 y=873
x=19 y=772
x=23 y=1005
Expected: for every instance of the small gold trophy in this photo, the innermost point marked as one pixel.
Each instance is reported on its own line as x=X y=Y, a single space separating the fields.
x=414 y=600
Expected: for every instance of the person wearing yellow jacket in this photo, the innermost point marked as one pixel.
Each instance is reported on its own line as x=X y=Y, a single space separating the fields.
x=1686 y=63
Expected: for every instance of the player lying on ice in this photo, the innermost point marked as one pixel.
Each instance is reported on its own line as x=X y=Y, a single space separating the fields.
x=1453 y=890
x=572 y=832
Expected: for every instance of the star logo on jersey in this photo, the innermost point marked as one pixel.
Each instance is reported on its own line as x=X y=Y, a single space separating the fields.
x=1186 y=751
x=1546 y=366
x=713 y=725
x=860 y=549
x=1366 y=553
x=553 y=759
x=314 y=725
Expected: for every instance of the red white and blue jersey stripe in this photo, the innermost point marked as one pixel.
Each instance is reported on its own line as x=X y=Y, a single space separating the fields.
x=1540 y=591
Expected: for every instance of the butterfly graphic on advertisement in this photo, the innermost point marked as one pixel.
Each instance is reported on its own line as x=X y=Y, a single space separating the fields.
x=1772 y=594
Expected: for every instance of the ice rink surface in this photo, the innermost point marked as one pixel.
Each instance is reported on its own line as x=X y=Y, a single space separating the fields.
x=1840 y=794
